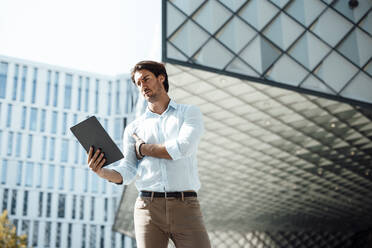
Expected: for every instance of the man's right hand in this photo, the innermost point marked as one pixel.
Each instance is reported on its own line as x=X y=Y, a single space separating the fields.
x=96 y=161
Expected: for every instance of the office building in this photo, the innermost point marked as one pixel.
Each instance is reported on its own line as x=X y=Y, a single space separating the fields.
x=46 y=185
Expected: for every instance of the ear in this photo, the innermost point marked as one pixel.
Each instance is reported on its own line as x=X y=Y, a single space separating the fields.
x=161 y=78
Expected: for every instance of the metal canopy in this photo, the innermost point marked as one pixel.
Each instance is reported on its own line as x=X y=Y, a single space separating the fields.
x=274 y=160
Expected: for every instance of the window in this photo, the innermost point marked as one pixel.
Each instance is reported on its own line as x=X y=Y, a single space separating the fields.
x=48 y=228
x=49 y=205
x=61 y=177
x=61 y=205
x=82 y=207
x=54 y=122
x=55 y=99
x=44 y=150
x=24 y=116
x=15 y=82
x=105 y=209
x=10 y=144
x=73 y=214
x=92 y=207
x=69 y=235
x=33 y=119
x=51 y=176
x=14 y=202
x=3 y=78
x=25 y=226
x=49 y=83
x=104 y=186
x=86 y=94
x=86 y=176
x=18 y=145
x=124 y=123
x=40 y=204
x=94 y=183
x=29 y=173
x=29 y=148
x=76 y=152
x=79 y=93
x=39 y=175
x=83 y=238
x=97 y=96
x=102 y=239
x=33 y=96
x=4 y=170
x=117 y=99
x=19 y=172
x=83 y=156
x=9 y=119
x=64 y=123
x=35 y=233
x=75 y=119
x=25 y=203
x=105 y=124
x=92 y=238
x=23 y=85
x=42 y=121
x=58 y=235
x=64 y=150
x=72 y=179
x=68 y=86
x=118 y=129
x=109 y=97
x=51 y=147
x=122 y=238
x=113 y=239
x=5 y=199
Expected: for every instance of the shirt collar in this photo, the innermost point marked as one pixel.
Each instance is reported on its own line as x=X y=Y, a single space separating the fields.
x=171 y=104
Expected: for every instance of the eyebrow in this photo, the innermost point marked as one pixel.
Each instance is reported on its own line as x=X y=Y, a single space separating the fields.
x=144 y=77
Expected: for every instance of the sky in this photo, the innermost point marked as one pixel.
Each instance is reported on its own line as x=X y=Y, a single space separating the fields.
x=99 y=36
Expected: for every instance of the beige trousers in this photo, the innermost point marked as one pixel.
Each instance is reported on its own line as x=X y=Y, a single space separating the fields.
x=157 y=220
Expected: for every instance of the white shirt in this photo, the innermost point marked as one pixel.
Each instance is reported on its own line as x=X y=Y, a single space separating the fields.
x=179 y=128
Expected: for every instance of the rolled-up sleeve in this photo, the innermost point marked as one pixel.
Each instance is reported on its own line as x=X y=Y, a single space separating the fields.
x=189 y=135
x=128 y=165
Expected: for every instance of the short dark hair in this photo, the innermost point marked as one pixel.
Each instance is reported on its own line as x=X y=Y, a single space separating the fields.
x=154 y=67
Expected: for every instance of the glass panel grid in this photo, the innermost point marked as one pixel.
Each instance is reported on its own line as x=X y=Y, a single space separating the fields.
x=306 y=31
x=212 y=15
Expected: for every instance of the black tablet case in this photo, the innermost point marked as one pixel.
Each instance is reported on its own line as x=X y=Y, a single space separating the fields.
x=91 y=133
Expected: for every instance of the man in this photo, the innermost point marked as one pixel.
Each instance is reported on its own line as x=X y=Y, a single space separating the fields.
x=160 y=154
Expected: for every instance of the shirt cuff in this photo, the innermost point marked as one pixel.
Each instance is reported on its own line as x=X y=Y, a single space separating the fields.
x=172 y=148
x=126 y=172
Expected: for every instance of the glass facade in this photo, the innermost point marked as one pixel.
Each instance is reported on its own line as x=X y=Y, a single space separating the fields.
x=46 y=187
x=3 y=78
x=326 y=44
x=15 y=82
x=68 y=90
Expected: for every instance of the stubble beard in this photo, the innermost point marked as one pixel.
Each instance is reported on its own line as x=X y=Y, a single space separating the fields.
x=155 y=95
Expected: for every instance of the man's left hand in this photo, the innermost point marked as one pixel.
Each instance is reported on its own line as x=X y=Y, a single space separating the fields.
x=137 y=146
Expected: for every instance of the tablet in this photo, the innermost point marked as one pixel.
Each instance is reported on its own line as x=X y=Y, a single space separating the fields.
x=91 y=133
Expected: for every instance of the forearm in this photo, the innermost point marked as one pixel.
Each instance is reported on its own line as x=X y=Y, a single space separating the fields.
x=155 y=150
x=111 y=175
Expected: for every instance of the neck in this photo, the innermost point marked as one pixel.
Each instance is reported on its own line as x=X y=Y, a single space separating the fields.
x=159 y=106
